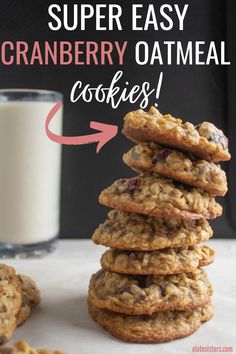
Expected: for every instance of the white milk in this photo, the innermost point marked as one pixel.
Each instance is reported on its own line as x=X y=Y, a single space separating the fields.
x=29 y=173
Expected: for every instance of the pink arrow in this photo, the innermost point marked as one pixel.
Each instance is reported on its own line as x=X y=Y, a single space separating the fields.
x=107 y=132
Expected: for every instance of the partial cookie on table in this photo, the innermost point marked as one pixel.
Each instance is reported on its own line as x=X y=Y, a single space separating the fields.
x=170 y=163
x=158 y=196
x=204 y=141
x=10 y=302
x=140 y=294
x=19 y=294
x=131 y=231
x=157 y=328
x=167 y=261
x=23 y=347
x=31 y=298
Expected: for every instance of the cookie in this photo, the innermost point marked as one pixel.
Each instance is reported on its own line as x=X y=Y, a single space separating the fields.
x=151 y=157
x=156 y=328
x=167 y=261
x=10 y=302
x=31 y=298
x=204 y=141
x=158 y=196
x=140 y=294
x=131 y=231
x=23 y=347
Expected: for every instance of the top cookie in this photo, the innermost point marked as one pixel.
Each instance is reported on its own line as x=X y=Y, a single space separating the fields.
x=151 y=157
x=205 y=140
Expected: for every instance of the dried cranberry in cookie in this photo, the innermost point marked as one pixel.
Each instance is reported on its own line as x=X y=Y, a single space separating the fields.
x=162 y=155
x=213 y=134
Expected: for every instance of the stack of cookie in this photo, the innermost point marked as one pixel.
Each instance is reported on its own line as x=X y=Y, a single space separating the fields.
x=152 y=287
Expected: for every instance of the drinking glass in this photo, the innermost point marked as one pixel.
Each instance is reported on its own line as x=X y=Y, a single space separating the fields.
x=30 y=169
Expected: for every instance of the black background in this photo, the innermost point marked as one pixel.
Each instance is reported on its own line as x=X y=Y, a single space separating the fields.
x=195 y=93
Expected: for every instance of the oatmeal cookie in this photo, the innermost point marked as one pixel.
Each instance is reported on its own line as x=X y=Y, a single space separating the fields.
x=10 y=302
x=31 y=298
x=156 y=328
x=167 y=261
x=151 y=157
x=131 y=231
x=158 y=196
x=204 y=141
x=23 y=347
x=140 y=294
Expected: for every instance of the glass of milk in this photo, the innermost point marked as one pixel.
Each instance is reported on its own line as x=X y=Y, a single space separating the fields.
x=30 y=169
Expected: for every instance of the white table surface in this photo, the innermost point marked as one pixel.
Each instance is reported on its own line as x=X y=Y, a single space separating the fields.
x=62 y=320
